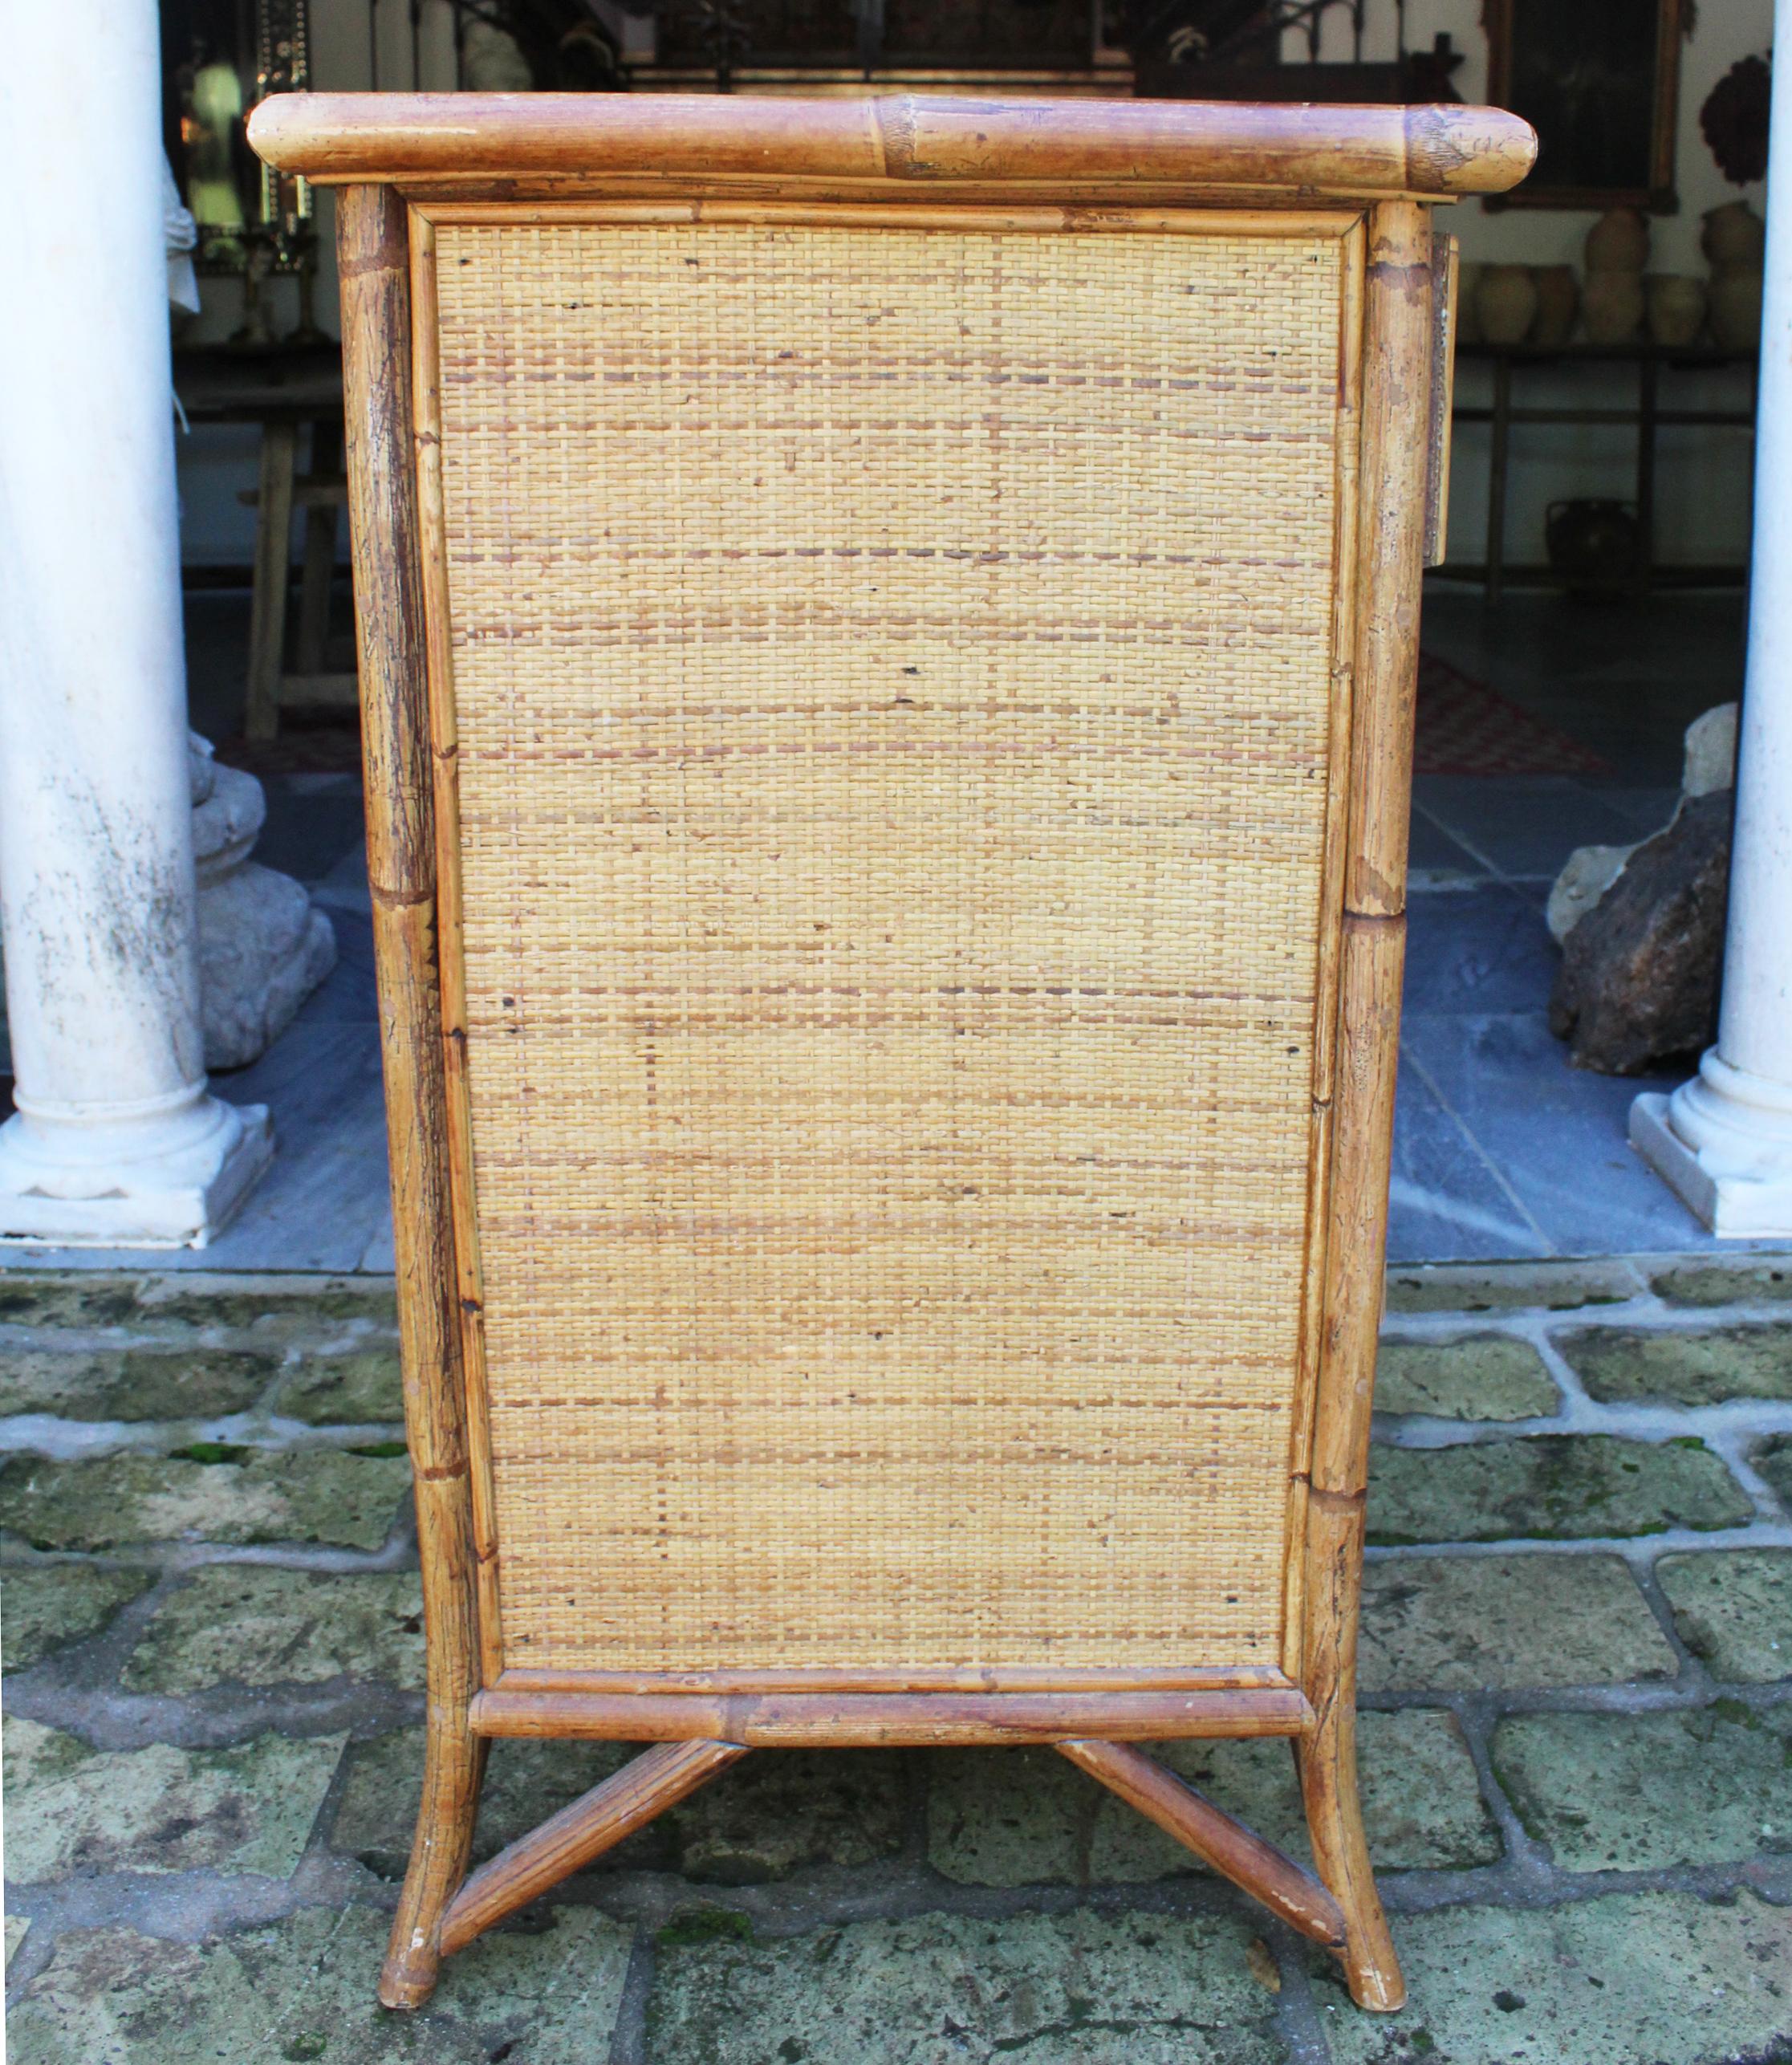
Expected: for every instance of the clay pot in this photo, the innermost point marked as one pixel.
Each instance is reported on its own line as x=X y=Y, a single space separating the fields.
x=1736 y=307
x=1734 y=235
x=1558 y=304
x=1505 y=300
x=1468 y=316
x=1611 y=306
x=1593 y=546
x=1618 y=242
x=1677 y=306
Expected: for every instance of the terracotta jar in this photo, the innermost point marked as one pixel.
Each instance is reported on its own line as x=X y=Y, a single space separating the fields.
x=1593 y=546
x=1736 y=307
x=1618 y=242
x=1505 y=300
x=1611 y=306
x=1734 y=235
x=1558 y=304
x=1677 y=306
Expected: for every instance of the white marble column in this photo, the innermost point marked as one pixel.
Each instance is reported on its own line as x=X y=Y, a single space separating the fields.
x=1724 y=1140
x=116 y=1140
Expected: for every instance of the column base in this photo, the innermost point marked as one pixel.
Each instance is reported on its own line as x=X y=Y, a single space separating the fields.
x=174 y=1185
x=1723 y=1144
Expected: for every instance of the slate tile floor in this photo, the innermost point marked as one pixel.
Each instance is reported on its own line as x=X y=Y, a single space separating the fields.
x=1500 y=1148
x=1576 y=1734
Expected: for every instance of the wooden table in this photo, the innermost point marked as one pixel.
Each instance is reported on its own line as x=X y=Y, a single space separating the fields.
x=284 y=388
x=1646 y=414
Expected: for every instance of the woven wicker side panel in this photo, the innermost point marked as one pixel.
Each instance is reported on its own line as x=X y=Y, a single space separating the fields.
x=891 y=671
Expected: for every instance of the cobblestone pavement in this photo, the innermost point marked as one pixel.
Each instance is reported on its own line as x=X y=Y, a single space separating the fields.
x=1577 y=1740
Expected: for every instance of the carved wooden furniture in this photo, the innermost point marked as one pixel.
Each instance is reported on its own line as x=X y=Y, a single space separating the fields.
x=282 y=388
x=888 y=634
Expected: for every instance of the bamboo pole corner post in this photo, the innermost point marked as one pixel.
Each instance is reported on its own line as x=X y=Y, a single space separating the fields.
x=888 y=633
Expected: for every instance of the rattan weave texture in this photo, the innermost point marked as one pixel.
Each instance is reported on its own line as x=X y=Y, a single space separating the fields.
x=892 y=672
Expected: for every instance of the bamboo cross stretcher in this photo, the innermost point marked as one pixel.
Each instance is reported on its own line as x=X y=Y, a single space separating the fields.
x=888 y=632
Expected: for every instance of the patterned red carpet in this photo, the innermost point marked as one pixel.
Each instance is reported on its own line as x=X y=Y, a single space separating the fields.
x=1466 y=728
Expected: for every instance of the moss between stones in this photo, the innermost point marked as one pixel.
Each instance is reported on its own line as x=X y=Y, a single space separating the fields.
x=705 y=1924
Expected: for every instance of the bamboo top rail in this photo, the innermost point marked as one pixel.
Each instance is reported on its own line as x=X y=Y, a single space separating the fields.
x=1436 y=152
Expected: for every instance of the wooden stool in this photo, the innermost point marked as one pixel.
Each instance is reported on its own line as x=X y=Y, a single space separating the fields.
x=889 y=632
x=320 y=493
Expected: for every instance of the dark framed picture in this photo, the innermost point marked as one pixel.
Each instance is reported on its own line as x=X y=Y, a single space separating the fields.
x=1599 y=81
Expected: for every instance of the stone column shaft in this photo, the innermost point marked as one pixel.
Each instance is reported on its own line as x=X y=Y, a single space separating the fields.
x=116 y=1139
x=1724 y=1140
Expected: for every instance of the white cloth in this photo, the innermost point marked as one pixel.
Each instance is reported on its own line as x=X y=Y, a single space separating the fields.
x=179 y=235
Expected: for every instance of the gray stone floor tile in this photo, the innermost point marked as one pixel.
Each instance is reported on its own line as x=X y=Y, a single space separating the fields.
x=1733 y=1609
x=1074 y=1989
x=1472 y=953
x=1620 y=1364
x=45 y=1606
x=1558 y=1134
x=1471 y=1376
x=1463 y=1624
x=72 y=1810
x=249 y=1624
x=1725 y=1283
x=1643 y=1792
x=1513 y=1286
x=1445 y=1201
x=1550 y=1487
x=332 y=1496
x=135 y=1383
x=1025 y=1817
x=301 y=1992
x=1654 y=1978
x=1525 y=825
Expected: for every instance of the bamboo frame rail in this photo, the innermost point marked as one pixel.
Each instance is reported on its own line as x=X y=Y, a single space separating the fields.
x=595 y=1822
x=1233 y=1850
x=1328 y=195
x=1367 y=152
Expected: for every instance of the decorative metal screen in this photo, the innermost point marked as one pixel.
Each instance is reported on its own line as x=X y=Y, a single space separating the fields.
x=892 y=670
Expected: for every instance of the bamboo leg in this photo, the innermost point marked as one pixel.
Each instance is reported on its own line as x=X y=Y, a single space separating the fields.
x=1398 y=375
x=658 y=1778
x=1327 y=1762
x=453 y=1769
x=1227 y=1845
x=267 y=614
x=374 y=269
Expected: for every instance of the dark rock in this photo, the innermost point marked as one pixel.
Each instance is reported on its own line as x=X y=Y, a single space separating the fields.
x=1639 y=972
